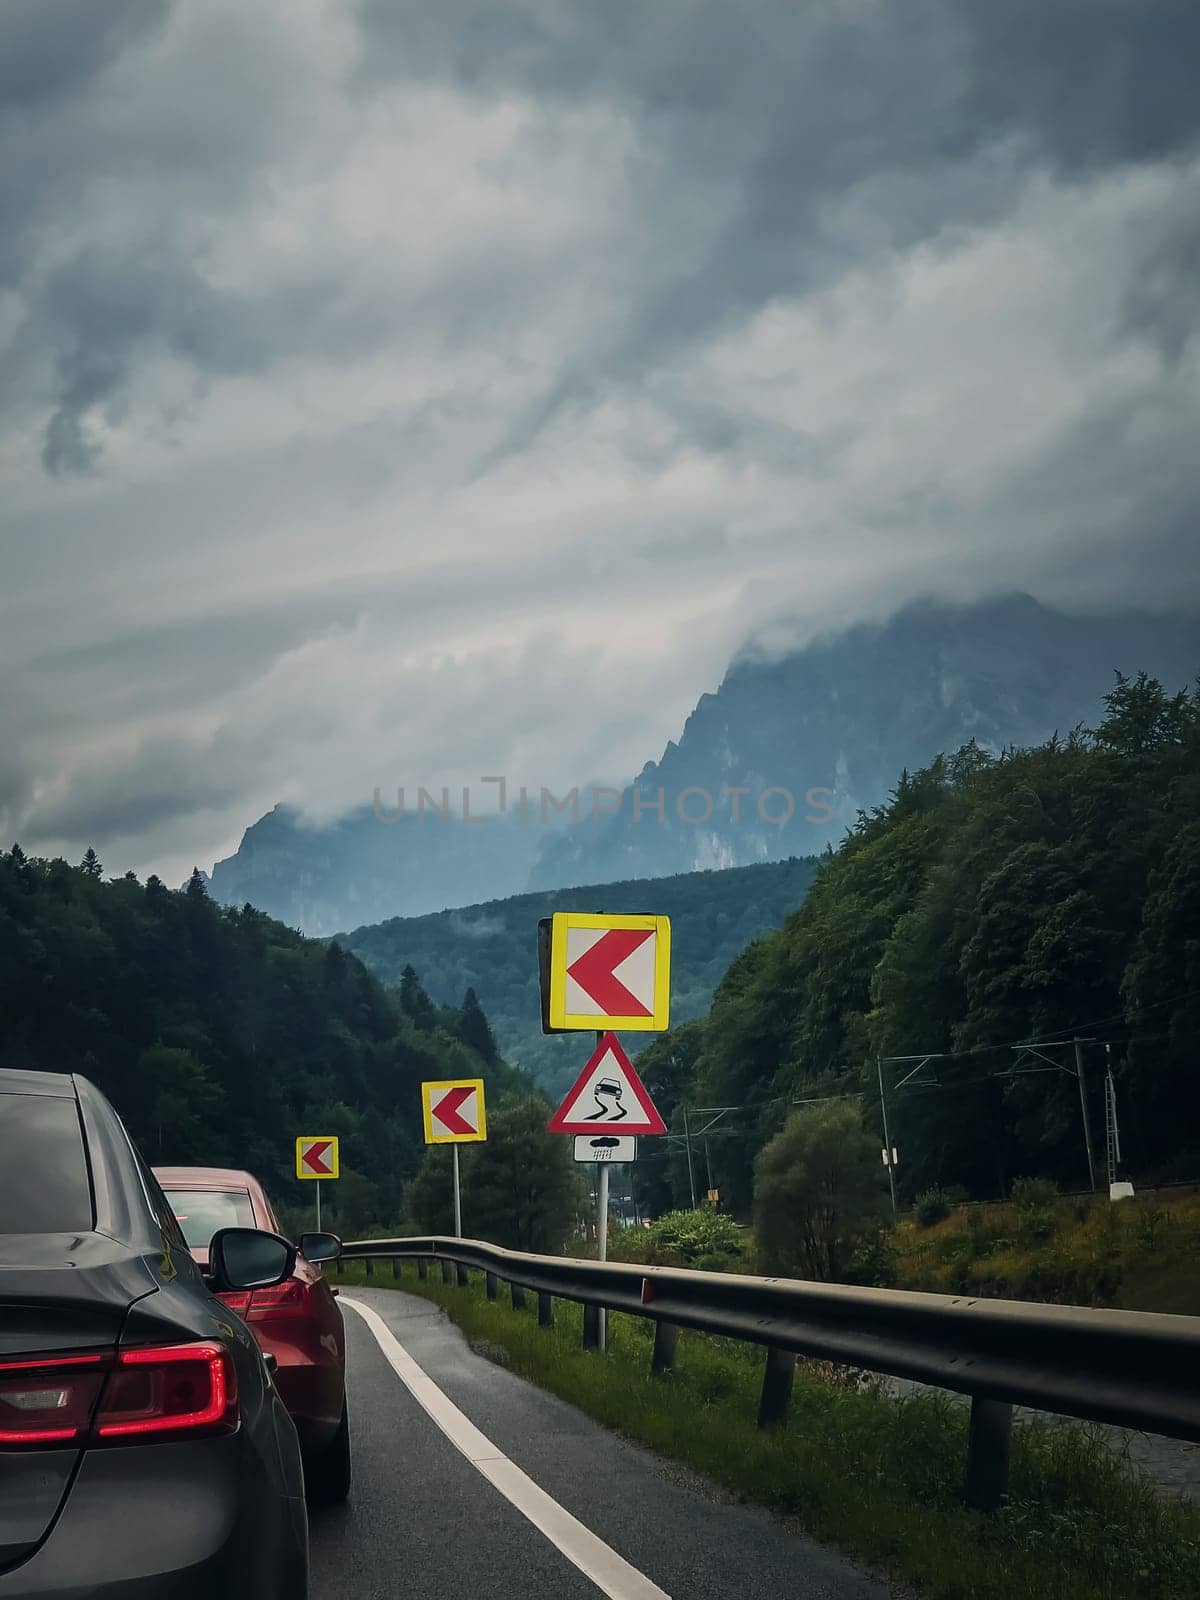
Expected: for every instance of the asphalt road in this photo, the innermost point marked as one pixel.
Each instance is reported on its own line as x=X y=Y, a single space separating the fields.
x=423 y=1520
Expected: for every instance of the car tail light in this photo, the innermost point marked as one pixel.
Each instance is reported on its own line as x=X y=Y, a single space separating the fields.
x=236 y=1299
x=51 y=1400
x=283 y=1300
x=172 y=1388
x=114 y=1397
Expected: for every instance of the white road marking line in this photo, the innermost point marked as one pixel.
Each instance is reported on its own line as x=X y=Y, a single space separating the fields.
x=611 y=1573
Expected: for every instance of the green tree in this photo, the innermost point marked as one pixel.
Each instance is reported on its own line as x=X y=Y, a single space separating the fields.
x=182 y=1107
x=1140 y=717
x=523 y=1188
x=90 y=865
x=474 y=1028
x=659 y=1178
x=415 y=1003
x=816 y=1193
x=429 y=1196
x=1162 y=992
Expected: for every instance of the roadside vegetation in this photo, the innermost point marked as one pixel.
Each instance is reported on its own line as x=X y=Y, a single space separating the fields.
x=994 y=899
x=520 y=1189
x=1141 y=1254
x=221 y=1035
x=881 y=1478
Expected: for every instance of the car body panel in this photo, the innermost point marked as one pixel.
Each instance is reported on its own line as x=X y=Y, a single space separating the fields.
x=193 y=1536
x=309 y=1348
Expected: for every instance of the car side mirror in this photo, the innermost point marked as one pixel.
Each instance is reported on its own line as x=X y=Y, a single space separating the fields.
x=318 y=1247
x=247 y=1258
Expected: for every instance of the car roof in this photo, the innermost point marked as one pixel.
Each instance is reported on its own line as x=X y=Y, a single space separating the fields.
x=207 y=1178
x=16 y=1080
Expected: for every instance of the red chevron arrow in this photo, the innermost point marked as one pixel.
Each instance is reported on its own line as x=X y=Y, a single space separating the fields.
x=314 y=1158
x=446 y=1111
x=595 y=972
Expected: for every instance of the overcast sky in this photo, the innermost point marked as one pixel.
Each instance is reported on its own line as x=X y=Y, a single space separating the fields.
x=397 y=391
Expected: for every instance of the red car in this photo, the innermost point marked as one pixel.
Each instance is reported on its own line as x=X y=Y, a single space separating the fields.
x=298 y=1322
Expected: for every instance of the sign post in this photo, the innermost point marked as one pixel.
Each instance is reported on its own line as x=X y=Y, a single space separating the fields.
x=606 y=1108
x=317 y=1158
x=602 y=1206
x=454 y=1113
x=600 y=972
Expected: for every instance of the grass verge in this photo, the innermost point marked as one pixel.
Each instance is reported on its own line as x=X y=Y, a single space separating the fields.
x=1141 y=1254
x=880 y=1478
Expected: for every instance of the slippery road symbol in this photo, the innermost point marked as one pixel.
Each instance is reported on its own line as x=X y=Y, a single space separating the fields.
x=607 y=1094
x=613 y=1111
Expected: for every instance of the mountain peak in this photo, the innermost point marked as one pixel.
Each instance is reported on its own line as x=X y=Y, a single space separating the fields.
x=807 y=739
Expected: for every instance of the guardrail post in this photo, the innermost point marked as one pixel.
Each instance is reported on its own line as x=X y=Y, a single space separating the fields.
x=422 y=1268
x=461 y=1273
x=666 y=1336
x=545 y=1311
x=518 y=1296
x=395 y=1266
x=369 y=1264
x=447 y=1271
x=778 y=1374
x=339 y=1266
x=492 y=1283
x=987 y=1453
x=591 y=1327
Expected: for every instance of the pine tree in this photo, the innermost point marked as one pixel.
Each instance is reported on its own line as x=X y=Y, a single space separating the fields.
x=415 y=1002
x=90 y=865
x=475 y=1029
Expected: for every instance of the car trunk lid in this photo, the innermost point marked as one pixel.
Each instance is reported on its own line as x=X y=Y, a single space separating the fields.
x=62 y=1297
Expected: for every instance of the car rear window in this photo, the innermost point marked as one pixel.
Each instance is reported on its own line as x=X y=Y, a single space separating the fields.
x=44 y=1182
x=202 y=1211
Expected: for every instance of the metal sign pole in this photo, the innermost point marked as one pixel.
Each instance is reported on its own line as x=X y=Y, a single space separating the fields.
x=457 y=1196
x=318 y=1205
x=602 y=1237
x=602 y=1224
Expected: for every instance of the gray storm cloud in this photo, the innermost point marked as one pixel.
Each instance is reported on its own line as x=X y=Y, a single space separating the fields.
x=397 y=392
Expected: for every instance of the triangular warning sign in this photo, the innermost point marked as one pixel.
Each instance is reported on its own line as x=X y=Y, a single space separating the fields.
x=608 y=1096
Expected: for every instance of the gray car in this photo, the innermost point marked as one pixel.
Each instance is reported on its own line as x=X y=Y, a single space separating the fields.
x=144 y=1451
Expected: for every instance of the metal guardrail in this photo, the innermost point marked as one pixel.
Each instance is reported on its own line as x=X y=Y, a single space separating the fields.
x=1134 y=1368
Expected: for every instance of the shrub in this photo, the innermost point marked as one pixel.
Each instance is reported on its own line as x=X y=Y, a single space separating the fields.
x=708 y=1240
x=873 y=1263
x=932 y=1206
x=1034 y=1194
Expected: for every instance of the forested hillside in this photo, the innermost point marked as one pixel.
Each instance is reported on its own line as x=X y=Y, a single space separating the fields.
x=1044 y=893
x=492 y=948
x=222 y=1035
